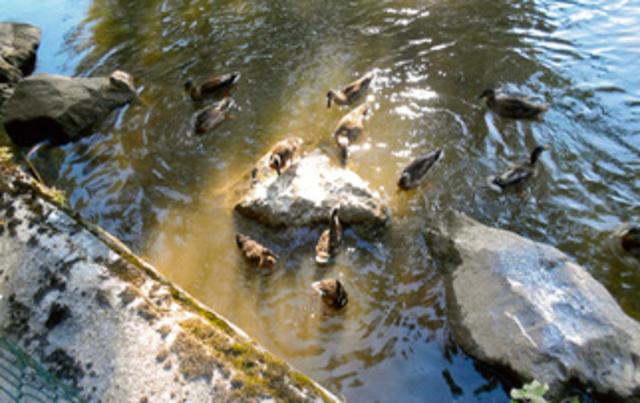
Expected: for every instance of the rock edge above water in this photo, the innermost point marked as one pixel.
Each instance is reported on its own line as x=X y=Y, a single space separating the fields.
x=526 y=306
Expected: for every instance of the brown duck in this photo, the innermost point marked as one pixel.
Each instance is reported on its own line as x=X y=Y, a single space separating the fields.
x=330 y=239
x=351 y=92
x=255 y=253
x=332 y=293
x=511 y=106
x=282 y=154
x=212 y=86
x=349 y=129
x=213 y=116
x=518 y=173
x=414 y=173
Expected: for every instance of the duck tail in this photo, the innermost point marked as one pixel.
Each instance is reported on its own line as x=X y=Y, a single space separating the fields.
x=493 y=184
x=235 y=77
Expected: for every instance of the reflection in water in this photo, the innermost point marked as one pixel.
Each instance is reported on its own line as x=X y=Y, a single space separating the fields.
x=168 y=194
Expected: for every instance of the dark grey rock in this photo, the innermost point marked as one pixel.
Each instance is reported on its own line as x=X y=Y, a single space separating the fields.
x=305 y=193
x=18 y=46
x=526 y=306
x=63 y=109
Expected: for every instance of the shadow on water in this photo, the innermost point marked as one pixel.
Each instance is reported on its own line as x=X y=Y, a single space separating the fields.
x=145 y=177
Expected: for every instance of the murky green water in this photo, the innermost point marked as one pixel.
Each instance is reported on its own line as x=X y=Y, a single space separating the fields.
x=147 y=180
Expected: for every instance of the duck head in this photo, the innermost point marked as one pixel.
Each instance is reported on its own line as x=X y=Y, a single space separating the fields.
x=630 y=239
x=487 y=94
x=535 y=154
x=404 y=182
x=330 y=96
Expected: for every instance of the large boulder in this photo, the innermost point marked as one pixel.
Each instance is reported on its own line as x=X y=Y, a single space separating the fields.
x=526 y=306
x=18 y=46
x=305 y=193
x=63 y=109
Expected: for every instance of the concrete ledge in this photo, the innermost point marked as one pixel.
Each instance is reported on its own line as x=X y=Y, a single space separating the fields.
x=107 y=323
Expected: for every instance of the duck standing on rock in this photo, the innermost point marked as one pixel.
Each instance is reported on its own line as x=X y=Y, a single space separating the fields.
x=255 y=253
x=519 y=173
x=351 y=92
x=212 y=116
x=414 y=173
x=330 y=239
x=283 y=153
x=332 y=293
x=212 y=86
x=349 y=129
x=511 y=106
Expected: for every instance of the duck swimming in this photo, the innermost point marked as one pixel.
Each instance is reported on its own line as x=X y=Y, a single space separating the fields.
x=519 y=173
x=332 y=293
x=414 y=173
x=211 y=86
x=329 y=241
x=351 y=92
x=349 y=128
x=213 y=116
x=630 y=240
x=283 y=152
x=255 y=253
x=511 y=106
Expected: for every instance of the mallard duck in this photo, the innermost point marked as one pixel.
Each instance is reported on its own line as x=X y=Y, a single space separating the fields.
x=413 y=174
x=332 y=292
x=255 y=253
x=330 y=239
x=511 y=106
x=349 y=128
x=630 y=240
x=518 y=173
x=351 y=92
x=283 y=152
x=211 y=86
x=213 y=116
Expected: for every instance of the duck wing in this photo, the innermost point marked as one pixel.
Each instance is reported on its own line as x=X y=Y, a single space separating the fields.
x=514 y=176
x=216 y=83
x=519 y=107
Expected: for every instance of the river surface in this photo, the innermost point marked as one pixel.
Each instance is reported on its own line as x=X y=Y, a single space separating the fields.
x=147 y=179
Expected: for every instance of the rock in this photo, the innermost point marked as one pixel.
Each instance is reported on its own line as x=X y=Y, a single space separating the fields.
x=18 y=46
x=305 y=193
x=63 y=109
x=526 y=306
x=97 y=317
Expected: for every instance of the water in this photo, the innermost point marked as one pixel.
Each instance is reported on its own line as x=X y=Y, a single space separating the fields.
x=163 y=191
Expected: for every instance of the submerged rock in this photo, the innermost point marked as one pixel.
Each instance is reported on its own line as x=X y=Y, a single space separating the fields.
x=305 y=193
x=63 y=109
x=18 y=46
x=526 y=306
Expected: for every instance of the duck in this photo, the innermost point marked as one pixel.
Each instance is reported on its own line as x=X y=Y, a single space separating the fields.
x=283 y=152
x=255 y=253
x=330 y=239
x=518 y=173
x=332 y=293
x=349 y=129
x=414 y=173
x=211 y=86
x=212 y=116
x=511 y=106
x=630 y=240
x=351 y=92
